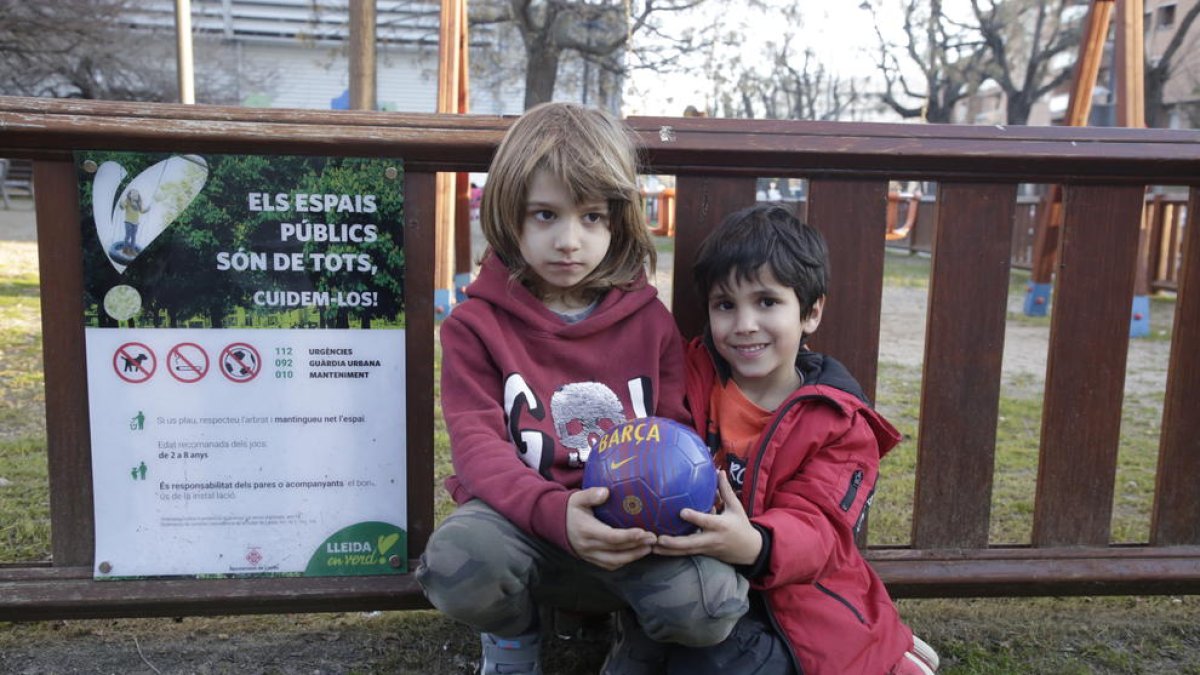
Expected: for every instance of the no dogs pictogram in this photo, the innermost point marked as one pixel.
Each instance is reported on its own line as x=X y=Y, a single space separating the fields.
x=240 y=362
x=187 y=362
x=134 y=362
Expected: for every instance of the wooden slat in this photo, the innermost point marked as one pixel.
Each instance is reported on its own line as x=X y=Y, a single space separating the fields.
x=1033 y=572
x=68 y=435
x=70 y=593
x=1085 y=374
x=852 y=216
x=700 y=204
x=35 y=128
x=964 y=342
x=60 y=593
x=1176 y=515
x=420 y=191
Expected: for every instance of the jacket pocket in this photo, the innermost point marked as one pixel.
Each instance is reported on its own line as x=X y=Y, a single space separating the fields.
x=846 y=603
x=856 y=481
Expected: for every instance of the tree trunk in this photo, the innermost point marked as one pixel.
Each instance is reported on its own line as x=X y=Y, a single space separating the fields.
x=1017 y=109
x=1155 y=82
x=607 y=88
x=540 y=75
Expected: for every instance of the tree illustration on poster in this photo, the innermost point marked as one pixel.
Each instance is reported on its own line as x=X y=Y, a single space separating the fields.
x=229 y=258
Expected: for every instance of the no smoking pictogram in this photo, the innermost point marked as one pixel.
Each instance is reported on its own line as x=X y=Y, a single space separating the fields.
x=187 y=362
x=134 y=362
x=240 y=362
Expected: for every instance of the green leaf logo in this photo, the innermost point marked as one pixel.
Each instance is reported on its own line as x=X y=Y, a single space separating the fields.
x=386 y=542
x=363 y=548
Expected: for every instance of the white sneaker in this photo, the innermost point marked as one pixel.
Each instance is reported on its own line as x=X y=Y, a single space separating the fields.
x=511 y=656
x=924 y=652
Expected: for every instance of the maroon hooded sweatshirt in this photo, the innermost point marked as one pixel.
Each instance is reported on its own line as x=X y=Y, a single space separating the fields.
x=524 y=392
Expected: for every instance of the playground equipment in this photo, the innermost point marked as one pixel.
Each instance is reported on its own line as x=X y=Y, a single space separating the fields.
x=660 y=211
x=1130 y=113
x=913 y=201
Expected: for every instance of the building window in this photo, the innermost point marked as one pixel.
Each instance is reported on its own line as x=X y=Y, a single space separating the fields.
x=1166 y=16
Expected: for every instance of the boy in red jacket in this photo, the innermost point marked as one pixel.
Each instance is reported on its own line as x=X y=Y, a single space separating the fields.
x=799 y=448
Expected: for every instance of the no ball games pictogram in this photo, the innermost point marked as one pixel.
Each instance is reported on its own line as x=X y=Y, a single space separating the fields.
x=240 y=362
x=134 y=362
x=187 y=362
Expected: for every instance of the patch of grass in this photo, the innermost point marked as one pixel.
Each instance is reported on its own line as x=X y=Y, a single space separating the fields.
x=22 y=391
x=664 y=244
x=898 y=398
x=1057 y=635
x=1018 y=437
x=24 y=483
x=24 y=501
x=1137 y=466
x=442 y=468
x=905 y=270
x=1162 y=317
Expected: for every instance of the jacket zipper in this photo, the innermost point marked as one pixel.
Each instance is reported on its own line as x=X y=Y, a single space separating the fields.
x=749 y=504
x=762 y=449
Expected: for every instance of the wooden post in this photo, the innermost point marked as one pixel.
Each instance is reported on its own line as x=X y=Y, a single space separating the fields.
x=1131 y=112
x=463 y=264
x=183 y=51
x=362 y=55
x=1079 y=107
x=449 y=70
x=1131 y=103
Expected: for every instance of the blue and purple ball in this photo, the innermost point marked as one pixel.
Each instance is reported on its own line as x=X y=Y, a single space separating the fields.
x=653 y=467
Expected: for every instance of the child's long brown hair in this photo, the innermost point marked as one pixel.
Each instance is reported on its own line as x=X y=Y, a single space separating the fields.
x=595 y=156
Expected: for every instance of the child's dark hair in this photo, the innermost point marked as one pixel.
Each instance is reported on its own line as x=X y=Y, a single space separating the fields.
x=765 y=235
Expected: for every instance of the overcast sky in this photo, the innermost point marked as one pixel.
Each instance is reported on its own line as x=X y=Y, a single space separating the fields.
x=837 y=30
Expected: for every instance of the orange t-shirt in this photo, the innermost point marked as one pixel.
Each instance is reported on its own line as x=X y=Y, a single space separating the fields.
x=737 y=422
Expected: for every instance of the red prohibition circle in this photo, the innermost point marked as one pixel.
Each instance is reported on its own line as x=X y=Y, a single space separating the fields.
x=238 y=370
x=196 y=372
x=129 y=361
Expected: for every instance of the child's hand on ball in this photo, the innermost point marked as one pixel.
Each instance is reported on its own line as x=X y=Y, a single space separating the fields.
x=597 y=543
x=727 y=536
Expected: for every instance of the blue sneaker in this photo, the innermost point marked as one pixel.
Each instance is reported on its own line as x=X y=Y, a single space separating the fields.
x=511 y=656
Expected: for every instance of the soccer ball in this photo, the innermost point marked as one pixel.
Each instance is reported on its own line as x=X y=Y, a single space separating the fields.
x=653 y=467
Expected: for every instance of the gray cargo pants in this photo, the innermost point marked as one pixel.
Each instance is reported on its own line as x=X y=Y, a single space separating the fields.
x=482 y=570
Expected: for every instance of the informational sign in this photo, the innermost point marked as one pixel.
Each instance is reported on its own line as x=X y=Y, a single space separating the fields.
x=245 y=354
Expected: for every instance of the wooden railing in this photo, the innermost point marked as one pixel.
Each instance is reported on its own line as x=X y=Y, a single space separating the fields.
x=716 y=163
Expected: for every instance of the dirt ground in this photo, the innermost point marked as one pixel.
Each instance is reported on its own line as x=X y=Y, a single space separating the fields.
x=1158 y=635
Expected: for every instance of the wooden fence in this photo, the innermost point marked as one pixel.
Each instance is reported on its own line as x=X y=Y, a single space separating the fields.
x=716 y=163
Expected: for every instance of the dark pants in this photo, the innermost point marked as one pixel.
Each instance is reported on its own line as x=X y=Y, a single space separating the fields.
x=753 y=648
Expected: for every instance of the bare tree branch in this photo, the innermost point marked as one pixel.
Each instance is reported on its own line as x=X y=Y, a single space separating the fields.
x=1023 y=37
x=87 y=49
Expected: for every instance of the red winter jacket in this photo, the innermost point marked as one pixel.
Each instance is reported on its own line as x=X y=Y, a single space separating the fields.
x=807 y=486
